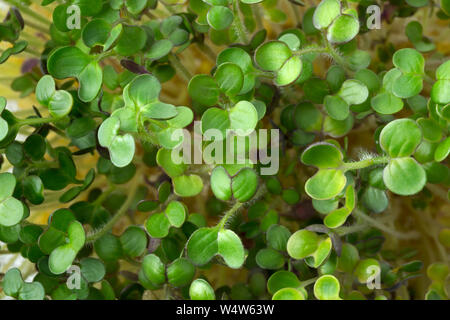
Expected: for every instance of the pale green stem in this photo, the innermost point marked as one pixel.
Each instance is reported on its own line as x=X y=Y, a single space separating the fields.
x=384 y=228
x=238 y=25
x=181 y=69
x=364 y=163
x=34 y=121
x=27 y=11
x=123 y=209
x=308 y=282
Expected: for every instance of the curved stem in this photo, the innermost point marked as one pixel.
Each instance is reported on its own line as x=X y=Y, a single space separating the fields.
x=229 y=214
x=123 y=209
x=24 y=9
x=181 y=69
x=384 y=228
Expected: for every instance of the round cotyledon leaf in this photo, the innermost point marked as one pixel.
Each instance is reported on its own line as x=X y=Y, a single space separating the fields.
x=322 y=155
x=325 y=13
x=325 y=184
x=230 y=248
x=230 y=78
x=327 y=287
x=219 y=17
x=399 y=138
x=289 y=71
x=272 y=55
x=343 y=29
x=404 y=176
x=336 y=107
x=202 y=246
x=302 y=244
x=204 y=89
x=187 y=185
x=409 y=61
x=386 y=103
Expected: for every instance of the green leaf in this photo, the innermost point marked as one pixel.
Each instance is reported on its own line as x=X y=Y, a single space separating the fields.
x=61 y=258
x=282 y=279
x=343 y=29
x=8 y=183
x=32 y=291
x=201 y=290
x=407 y=86
x=322 y=155
x=154 y=269
x=45 y=89
x=122 y=150
x=12 y=282
x=386 y=103
x=442 y=150
x=243 y=117
x=133 y=241
x=176 y=213
x=33 y=189
x=289 y=294
x=336 y=107
x=164 y=159
x=327 y=287
x=159 y=49
x=204 y=89
x=244 y=185
x=272 y=55
x=108 y=247
x=11 y=211
x=365 y=269
x=277 y=237
x=158 y=225
x=215 y=118
x=325 y=184
x=243 y=60
x=131 y=41
x=68 y=62
x=202 y=246
x=92 y=269
x=430 y=129
x=230 y=78
x=302 y=244
x=180 y=272
x=321 y=254
x=61 y=103
x=95 y=32
x=325 y=13
x=353 y=92
x=187 y=185
x=221 y=183
x=409 y=61
x=399 y=138
x=219 y=17
x=270 y=259
x=404 y=176
x=230 y=247
x=289 y=71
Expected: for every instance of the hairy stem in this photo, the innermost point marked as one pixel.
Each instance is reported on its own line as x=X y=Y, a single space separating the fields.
x=122 y=210
x=229 y=214
x=238 y=25
x=364 y=163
